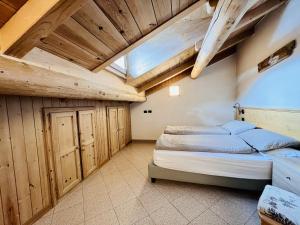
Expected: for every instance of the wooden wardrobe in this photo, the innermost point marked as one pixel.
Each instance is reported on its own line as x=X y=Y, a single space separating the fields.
x=116 y=128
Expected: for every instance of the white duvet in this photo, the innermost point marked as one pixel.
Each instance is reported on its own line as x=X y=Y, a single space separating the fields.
x=190 y=130
x=204 y=143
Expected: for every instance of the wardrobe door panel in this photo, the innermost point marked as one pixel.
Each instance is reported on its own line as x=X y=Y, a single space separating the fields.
x=66 y=150
x=86 y=122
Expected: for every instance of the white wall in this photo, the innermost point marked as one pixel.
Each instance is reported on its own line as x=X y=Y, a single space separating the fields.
x=207 y=100
x=279 y=86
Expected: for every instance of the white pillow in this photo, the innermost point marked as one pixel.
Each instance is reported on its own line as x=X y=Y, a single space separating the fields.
x=264 y=140
x=236 y=126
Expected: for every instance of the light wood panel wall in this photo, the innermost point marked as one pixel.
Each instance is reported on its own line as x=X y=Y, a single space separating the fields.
x=24 y=178
x=285 y=122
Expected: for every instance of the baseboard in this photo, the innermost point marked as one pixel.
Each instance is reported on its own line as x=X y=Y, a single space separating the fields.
x=143 y=141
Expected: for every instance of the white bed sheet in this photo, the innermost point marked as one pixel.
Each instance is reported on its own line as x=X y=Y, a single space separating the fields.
x=247 y=166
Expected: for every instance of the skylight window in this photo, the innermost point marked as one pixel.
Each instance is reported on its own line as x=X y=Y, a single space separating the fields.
x=120 y=64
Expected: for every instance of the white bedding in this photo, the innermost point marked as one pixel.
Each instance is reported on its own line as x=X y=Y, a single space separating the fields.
x=204 y=143
x=203 y=130
x=246 y=166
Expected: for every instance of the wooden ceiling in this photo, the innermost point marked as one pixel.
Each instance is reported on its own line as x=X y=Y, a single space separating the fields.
x=102 y=28
x=8 y=8
x=158 y=36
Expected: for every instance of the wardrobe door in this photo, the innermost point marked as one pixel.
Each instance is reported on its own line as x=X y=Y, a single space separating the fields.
x=121 y=126
x=113 y=130
x=86 y=122
x=66 y=151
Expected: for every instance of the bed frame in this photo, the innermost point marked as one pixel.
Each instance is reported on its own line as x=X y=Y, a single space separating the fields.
x=156 y=172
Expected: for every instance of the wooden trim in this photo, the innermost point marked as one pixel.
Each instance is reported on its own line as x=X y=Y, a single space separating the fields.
x=143 y=141
x=54 y=13
x=17 y=77
x=142 y=40
x=226 y=17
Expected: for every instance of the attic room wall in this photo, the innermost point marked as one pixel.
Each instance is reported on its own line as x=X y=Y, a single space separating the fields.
x=277 y=87
x=207 y=100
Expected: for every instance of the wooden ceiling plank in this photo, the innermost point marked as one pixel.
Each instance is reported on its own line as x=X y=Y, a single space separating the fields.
x=16 y=4
x=77 y=34
x=31 y=31
x=163 y=10
x=225 y=19
x=151 y=34
x=95 y=21
x=184 y=4
x=56 y=43
x=6 y=12
x=19 y=77
x=143 y=14
x=118 y=12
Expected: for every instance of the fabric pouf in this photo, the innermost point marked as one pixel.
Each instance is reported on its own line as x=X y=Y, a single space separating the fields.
x=280 y=205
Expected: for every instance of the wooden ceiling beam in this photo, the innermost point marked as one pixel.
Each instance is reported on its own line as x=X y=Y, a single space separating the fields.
x=225 y=19
x=222 y=55
x=18 y=77
x=142 y=40
x=42 y=18
x=190 y=63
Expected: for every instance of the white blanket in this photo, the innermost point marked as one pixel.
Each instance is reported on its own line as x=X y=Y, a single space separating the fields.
x=182 y=130
x=203 y=143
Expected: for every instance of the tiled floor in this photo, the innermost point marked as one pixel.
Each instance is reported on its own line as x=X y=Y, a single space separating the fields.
x=120 y=194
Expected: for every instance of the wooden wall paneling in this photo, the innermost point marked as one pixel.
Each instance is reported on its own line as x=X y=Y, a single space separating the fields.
x=8 y=191
x=94 y=20
x=163 y=10
x=184 y=4
x=19 y=158
x=77 y=34
x=16 y=4
x=65 y=145
x=1 y=211
x=118 y=12
x=143 y=13
x=32 y=155
x=102 y=129
x=175 y=7
x=37 y=104
x=128 y=124
x=61 y=47
x=88 y=141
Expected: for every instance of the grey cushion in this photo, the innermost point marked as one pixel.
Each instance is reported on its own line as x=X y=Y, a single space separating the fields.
x=237 y=127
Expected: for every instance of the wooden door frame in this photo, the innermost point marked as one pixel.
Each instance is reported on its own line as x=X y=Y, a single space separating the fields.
x=48 y=143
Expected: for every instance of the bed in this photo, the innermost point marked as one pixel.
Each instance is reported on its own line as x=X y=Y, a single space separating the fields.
x=226 y=166
x=230 y=127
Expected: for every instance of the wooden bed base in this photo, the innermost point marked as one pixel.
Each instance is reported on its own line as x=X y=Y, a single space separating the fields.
x=156 y=172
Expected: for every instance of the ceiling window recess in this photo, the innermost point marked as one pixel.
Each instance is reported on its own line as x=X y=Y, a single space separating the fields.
x=119 y=67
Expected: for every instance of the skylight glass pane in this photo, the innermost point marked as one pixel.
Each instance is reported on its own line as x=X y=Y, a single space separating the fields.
x=121 y=62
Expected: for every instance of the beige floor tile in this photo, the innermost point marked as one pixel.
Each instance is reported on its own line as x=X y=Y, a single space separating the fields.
x=153 y=200
x=69 y=200
x=168 y=215
x=234 y=213
x=107 y=218
x=206 y=195
x=145 y=221
x=70 y=216
x=121 y=195
x=169 y=189
x=189 y=207
x=94 y=207
x=130 y=212
x=208 y=218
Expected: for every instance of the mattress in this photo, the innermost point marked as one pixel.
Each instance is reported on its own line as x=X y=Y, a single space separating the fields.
x=203 y=130
x=247 y=166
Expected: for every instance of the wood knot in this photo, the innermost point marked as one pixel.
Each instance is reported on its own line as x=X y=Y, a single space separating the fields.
x=100 y=27
x=122 y=31
x=120 y=11
x=75 y=84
